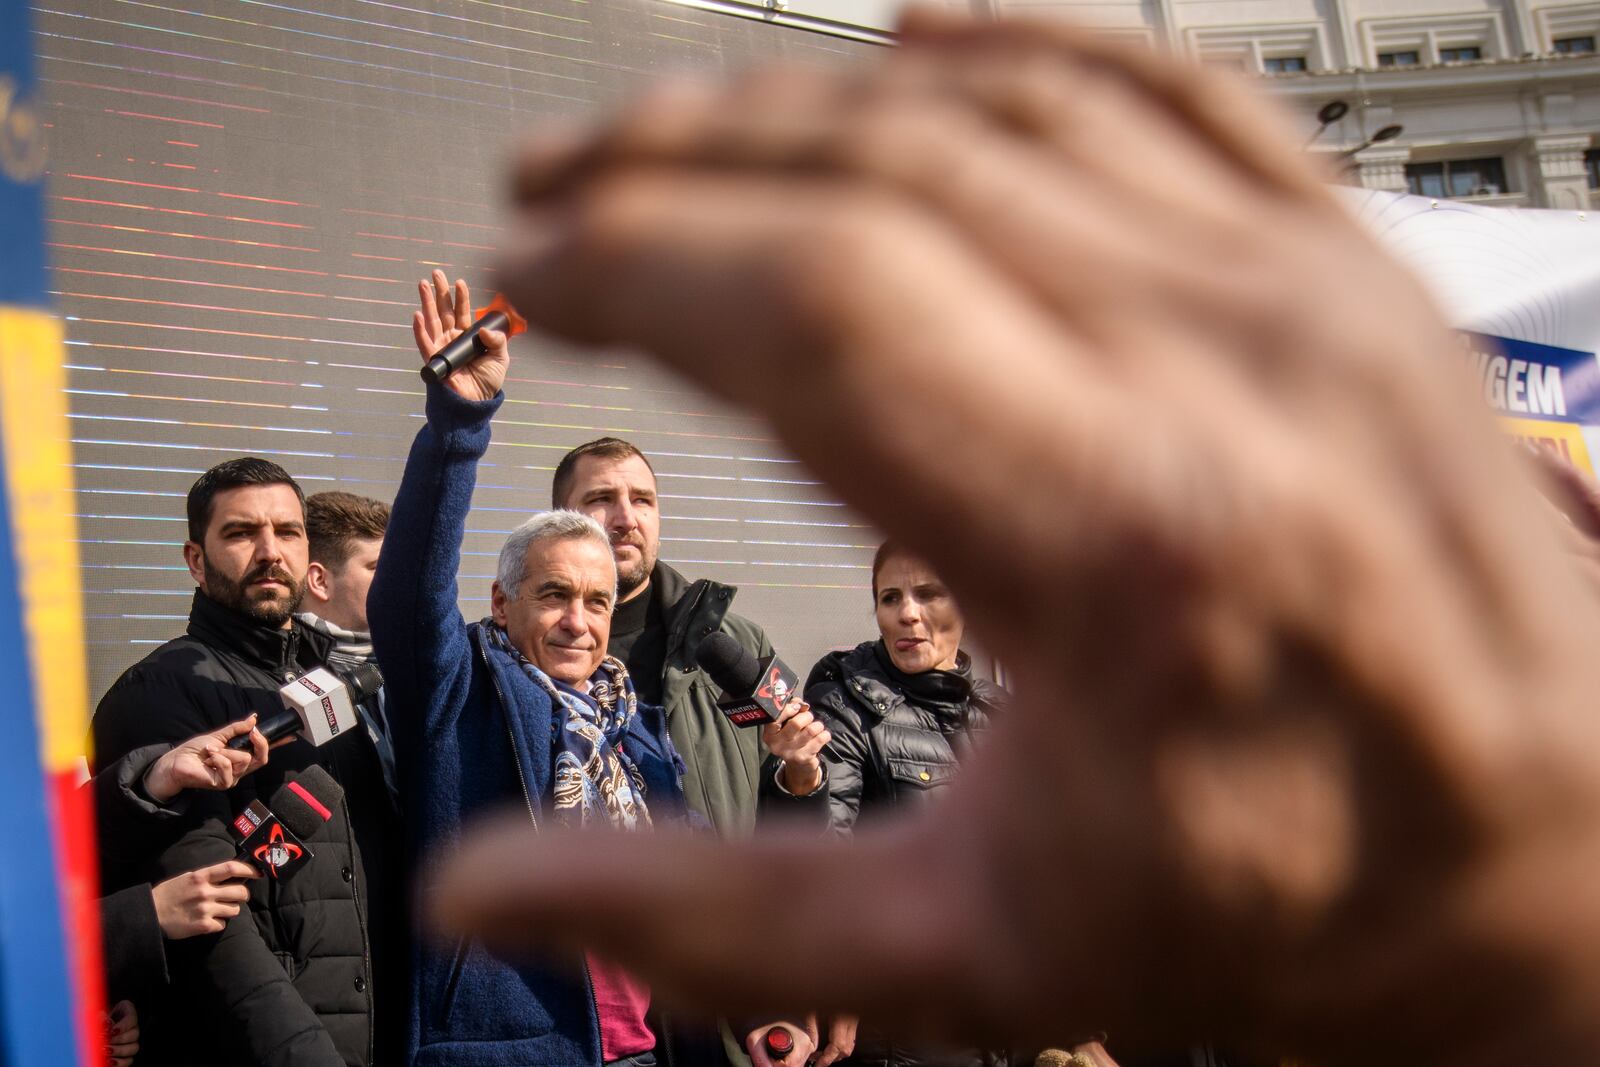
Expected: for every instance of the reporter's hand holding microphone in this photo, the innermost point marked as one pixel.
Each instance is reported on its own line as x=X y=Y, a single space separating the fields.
x=797 y=738
x=202 y=901
x=206 y=762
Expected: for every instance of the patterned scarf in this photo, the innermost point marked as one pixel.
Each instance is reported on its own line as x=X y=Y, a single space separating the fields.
x=593 y=779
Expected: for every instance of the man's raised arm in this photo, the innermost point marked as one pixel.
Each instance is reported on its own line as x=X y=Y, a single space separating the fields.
x=417 y=629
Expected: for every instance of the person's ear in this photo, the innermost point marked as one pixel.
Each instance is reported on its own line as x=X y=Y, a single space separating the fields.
x=194 y=557
x=318 y=582
x=497 y=604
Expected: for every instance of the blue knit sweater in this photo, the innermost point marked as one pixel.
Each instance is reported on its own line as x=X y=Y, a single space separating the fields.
x=472 y=734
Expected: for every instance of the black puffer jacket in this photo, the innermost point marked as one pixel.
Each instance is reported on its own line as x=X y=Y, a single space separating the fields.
x=131 y=825
x=290 y=980
x=897 y=739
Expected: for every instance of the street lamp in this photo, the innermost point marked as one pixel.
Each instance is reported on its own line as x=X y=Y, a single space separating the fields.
x=1388 y=133
x=1327 y=115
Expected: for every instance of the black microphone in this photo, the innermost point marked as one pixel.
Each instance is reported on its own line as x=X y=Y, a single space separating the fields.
x=273 y=837
x=754 y=690
x=319 y=705
x=499 y=315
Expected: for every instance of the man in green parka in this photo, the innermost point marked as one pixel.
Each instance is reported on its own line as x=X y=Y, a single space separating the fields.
x=661 y=618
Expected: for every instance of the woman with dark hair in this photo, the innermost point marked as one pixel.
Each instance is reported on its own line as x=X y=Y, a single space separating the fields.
x=902 y=710
x=895 y=715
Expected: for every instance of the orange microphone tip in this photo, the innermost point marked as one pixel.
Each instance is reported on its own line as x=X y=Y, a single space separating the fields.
x=515 y=323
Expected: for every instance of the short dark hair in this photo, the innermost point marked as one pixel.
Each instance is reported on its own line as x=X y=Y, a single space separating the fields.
x=232 y=474
x=603 y=448
x=336 y=520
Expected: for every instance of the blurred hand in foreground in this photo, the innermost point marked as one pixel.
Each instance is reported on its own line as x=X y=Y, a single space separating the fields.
x=1311 y=674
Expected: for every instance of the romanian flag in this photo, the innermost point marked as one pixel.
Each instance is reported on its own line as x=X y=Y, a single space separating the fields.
x=51 y=984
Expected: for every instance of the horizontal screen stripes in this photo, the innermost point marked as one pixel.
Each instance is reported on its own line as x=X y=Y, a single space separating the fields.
x=242 y=196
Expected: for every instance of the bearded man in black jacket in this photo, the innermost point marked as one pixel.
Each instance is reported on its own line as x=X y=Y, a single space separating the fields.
x=290 y=980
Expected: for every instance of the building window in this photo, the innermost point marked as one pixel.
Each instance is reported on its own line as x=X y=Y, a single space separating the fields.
x=1458 y=177
x=1399 y=59
x=1591 y=167
x=1572 y=46
x=1460 y=55
x=1284 y=64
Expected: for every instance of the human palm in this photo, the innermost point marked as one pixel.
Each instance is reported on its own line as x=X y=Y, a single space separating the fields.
x=445 y=314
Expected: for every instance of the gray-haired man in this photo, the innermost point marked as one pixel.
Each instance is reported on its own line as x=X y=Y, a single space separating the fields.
x=525 y=707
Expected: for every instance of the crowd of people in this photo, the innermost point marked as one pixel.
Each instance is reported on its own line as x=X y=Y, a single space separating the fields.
x=577 y=700
x=1299 y=758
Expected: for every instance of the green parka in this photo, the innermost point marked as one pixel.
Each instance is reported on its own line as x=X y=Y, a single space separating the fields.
x=723 y=760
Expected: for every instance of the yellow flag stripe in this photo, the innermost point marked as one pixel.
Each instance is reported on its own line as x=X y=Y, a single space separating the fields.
x=38 y=478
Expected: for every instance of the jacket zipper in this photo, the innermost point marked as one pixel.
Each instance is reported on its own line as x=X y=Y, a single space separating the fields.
x=366 y=947
x=511 y=737
x=527 y=798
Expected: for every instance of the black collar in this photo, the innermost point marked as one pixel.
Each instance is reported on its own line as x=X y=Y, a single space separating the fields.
x=267 y=647
x=943 y=690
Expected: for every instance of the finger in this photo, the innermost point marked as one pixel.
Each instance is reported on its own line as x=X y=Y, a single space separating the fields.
x=830 y=1054
x=554 y=162
x=514 y=889
x=493 y=339
x=220 y=770
x=424 y=339
x=231 y=894
x=120 y=1010
x=1574 y=494
x=707 y=267
x=441 y=302
x=259 y=752
x=1063 y=228
x=1052 y=205
x=814 y=748
x=232 y=730
x=463 y=305
x=1219 y=107
x=222 y=910
x=432 y=325
x=795 y=720
x=228 y=870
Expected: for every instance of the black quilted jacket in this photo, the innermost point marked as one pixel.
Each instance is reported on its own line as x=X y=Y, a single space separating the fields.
x=291 y=981
x=896 y=738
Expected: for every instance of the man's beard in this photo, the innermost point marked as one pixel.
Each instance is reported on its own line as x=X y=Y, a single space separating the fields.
x=235 y=595
x=629 y=583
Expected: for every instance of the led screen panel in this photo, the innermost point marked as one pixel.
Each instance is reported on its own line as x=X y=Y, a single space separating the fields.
x=243 y=194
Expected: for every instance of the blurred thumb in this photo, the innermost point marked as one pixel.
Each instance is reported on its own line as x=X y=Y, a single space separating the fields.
x=701 y=919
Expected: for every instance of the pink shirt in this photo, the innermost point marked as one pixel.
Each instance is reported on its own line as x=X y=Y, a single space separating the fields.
x=621 y=1001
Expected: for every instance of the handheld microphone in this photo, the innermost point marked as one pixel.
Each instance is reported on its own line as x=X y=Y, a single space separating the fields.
x=499 y=315
x=754 y=690
x=273 y=837
x=779 y=1043
x=318 y=705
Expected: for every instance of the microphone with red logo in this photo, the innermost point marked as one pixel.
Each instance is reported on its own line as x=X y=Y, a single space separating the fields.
x=754 y=691
x=273 y=837
x=319 y=705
